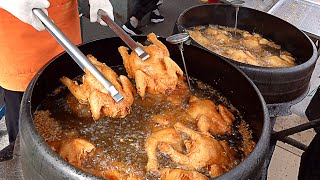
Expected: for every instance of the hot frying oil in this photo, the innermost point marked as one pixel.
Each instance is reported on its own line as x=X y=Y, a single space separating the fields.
x=123 y=139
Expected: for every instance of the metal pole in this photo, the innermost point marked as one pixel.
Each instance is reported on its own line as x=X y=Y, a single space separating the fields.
x=296 y=129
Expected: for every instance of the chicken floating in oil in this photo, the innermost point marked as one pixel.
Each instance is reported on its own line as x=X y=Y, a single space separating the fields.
x=241 y=46
x=166 y=135
x=208 y=118
x=72 y=150
x=97 y=96
x=202 y=151
x=159 y=74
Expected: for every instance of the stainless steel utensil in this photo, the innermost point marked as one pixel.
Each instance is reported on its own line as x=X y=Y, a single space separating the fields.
x=76 y=54
x=123 y=35
x=235 y=3
x=180 y=39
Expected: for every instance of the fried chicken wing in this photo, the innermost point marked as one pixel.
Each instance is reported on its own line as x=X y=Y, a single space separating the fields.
x=72 y=150
x=167 y=135
x=208 y=118
x=92 y=92
x=179 y=174
x=159 y=74
x=202 y=151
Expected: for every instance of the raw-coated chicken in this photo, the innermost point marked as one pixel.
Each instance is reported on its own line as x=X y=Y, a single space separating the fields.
x=159 y=74
x=209 y=119
x=202 y=151
x=97 y=96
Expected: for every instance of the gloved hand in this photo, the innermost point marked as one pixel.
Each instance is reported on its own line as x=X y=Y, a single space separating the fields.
x=22 y=9
x=95 y=5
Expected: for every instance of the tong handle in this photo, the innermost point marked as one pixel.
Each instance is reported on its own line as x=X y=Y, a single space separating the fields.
x=123 y=35
x=76 y=54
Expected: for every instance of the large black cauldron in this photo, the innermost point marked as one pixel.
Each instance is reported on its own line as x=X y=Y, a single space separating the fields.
x=40 y=162
x=277 y=85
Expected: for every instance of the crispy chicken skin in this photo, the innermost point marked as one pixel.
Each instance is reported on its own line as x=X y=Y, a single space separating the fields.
x=179 y=174
x=159 y=74
x=202 y=151
x=167 y=135
x=97 y=96
x=209 y=119
x=72 y=150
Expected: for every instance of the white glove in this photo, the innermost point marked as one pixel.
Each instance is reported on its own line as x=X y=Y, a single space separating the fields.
x=22 y=9
x=95 y=5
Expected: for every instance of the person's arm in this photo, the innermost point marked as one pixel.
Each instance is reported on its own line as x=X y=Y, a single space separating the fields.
x=22 y=9
x=95 y=5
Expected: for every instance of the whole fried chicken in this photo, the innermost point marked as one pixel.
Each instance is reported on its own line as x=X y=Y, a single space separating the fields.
x=179 y=174
x=97 y=96
x=72 y=150
x=159 y=74
x=208 y=118
x=167 y=135
x=202 y=151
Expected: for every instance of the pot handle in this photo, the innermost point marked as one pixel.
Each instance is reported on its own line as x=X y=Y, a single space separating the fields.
x=283 y=135
x=76 y=54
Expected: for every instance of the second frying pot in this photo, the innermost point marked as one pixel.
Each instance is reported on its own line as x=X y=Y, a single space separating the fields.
x=277 y=85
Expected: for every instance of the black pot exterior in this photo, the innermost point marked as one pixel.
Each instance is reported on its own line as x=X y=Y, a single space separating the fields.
x=277 y=85
x=40 y=162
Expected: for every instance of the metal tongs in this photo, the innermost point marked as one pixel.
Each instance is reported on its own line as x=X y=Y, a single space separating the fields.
x=76 y=54
x=123 y=35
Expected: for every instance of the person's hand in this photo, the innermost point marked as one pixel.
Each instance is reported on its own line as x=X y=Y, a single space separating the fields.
x=22 y=9
x=105 y=5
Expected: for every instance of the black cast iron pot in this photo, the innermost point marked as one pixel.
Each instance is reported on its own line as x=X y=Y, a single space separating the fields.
x=40 y=162
x=277 y=85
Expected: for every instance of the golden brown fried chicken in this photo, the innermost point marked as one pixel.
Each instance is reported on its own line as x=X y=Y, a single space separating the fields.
x=167 y=135
x=276 y=61
x=202 y=151
x=219 y=35
x=197 y=35
x=159 y=74
x=209 y=119
x=72 y=150
x=241 y=56
x=97 y=96
x=179 y=174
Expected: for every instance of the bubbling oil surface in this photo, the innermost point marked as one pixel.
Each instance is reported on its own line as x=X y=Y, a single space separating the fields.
x=123 y=139
x=240 y=45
